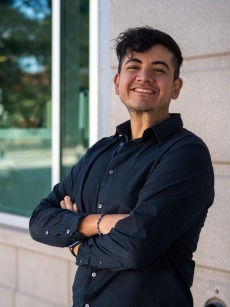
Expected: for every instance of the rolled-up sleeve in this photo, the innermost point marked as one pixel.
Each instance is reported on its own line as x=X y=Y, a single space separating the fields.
x=177 y=194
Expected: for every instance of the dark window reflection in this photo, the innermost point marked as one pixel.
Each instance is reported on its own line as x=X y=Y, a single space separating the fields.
x=25 y=97
x=75 y=81
x=25 y=103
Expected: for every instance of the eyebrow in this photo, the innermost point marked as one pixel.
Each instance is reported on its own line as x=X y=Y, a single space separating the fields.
x=154 y=63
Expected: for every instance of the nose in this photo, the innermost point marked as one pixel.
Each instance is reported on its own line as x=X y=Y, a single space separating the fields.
x=145 y=75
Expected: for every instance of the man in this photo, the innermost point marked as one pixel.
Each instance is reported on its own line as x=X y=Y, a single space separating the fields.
x=132 y=208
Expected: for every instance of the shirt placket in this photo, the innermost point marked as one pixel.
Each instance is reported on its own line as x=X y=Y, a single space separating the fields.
x=102 y=207
x=107 y=180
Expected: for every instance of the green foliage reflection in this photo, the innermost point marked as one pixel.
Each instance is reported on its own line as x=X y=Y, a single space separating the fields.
x=25 y=62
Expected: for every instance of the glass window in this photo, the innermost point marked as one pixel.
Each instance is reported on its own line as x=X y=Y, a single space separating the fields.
x=25 y=104
x=75 y=81
x=25 y=97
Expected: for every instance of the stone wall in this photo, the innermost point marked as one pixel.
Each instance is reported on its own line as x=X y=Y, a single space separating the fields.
x=201 y=29
x=33 y=274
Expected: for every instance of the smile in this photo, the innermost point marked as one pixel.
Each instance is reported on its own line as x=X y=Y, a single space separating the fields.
x=142 y=90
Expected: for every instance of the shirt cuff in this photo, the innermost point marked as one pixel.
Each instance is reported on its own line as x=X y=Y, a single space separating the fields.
x=69 y=225
x=86 y=257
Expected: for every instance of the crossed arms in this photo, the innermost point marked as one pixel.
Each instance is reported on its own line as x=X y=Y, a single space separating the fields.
x=88 y=225
x=173 y=201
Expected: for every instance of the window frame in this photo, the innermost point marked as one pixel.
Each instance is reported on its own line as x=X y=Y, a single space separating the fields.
x=14 y=220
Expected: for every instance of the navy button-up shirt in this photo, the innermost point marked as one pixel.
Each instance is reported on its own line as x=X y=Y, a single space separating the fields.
x=164 y=181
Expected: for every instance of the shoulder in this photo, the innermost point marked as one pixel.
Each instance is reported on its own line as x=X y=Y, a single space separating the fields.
x=189 y=148
x=102 y=143
x=185 y=137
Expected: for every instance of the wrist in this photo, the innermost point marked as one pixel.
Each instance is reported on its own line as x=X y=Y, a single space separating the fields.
x=87 y=225
x=73 y=246
x=98 y=224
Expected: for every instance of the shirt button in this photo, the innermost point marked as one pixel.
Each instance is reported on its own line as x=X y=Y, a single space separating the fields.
x=67 y=231
x=47 y=232
x=111 y=172
x=99 y=206
x=94 y=274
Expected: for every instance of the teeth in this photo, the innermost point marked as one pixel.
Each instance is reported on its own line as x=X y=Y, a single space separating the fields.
x=143 y=90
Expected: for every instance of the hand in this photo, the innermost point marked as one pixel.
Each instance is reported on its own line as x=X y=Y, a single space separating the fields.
x=67 y=203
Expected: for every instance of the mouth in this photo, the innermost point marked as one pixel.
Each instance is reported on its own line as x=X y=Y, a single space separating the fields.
x=143 y=90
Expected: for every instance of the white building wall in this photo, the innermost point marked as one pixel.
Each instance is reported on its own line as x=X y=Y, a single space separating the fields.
x=32 y=274
x=201 y=29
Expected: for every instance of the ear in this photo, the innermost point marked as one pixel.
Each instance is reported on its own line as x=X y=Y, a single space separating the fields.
x=178 y=83
x=116 y=83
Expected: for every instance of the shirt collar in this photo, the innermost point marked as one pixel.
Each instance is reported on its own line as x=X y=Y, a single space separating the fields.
x=160 y=130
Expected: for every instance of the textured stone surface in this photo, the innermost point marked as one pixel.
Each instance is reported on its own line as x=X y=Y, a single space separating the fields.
x=198 y=27
x=33 y=274
x=6 y=296
x=210 y=283
x=8 y=265
x=43 y=276
x=204 y=103
x=23 y=300
x=201 y=28
x=214 y=245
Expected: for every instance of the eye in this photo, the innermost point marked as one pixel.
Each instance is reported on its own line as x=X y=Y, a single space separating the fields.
x=132 y=67
x=159 y=70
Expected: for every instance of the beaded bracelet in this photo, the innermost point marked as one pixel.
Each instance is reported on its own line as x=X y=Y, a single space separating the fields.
x=98 y=222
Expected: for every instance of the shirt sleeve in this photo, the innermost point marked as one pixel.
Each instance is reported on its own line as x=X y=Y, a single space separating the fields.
x=52 y=225
x=177 y=193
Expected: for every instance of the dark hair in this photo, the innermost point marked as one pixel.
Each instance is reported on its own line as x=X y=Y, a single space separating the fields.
x=142 y=39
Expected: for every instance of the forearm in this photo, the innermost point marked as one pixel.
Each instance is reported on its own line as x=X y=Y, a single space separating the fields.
x=92 y=224
x=54 y=226
x=88 y=224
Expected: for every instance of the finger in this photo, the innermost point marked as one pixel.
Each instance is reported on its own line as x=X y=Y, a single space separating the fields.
x=62 y=204
x=75 y=207
x=69 y=204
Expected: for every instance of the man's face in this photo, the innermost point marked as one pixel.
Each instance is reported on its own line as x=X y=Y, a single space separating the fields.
x=146 y=81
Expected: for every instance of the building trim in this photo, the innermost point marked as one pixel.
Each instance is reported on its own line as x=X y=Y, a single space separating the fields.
x=93 y=72
x=13 y=220
x=56 y=77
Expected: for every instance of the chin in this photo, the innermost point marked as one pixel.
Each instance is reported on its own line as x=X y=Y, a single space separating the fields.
x=140 y=110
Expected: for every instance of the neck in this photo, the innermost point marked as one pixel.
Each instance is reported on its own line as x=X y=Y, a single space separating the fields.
x=140 y=122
